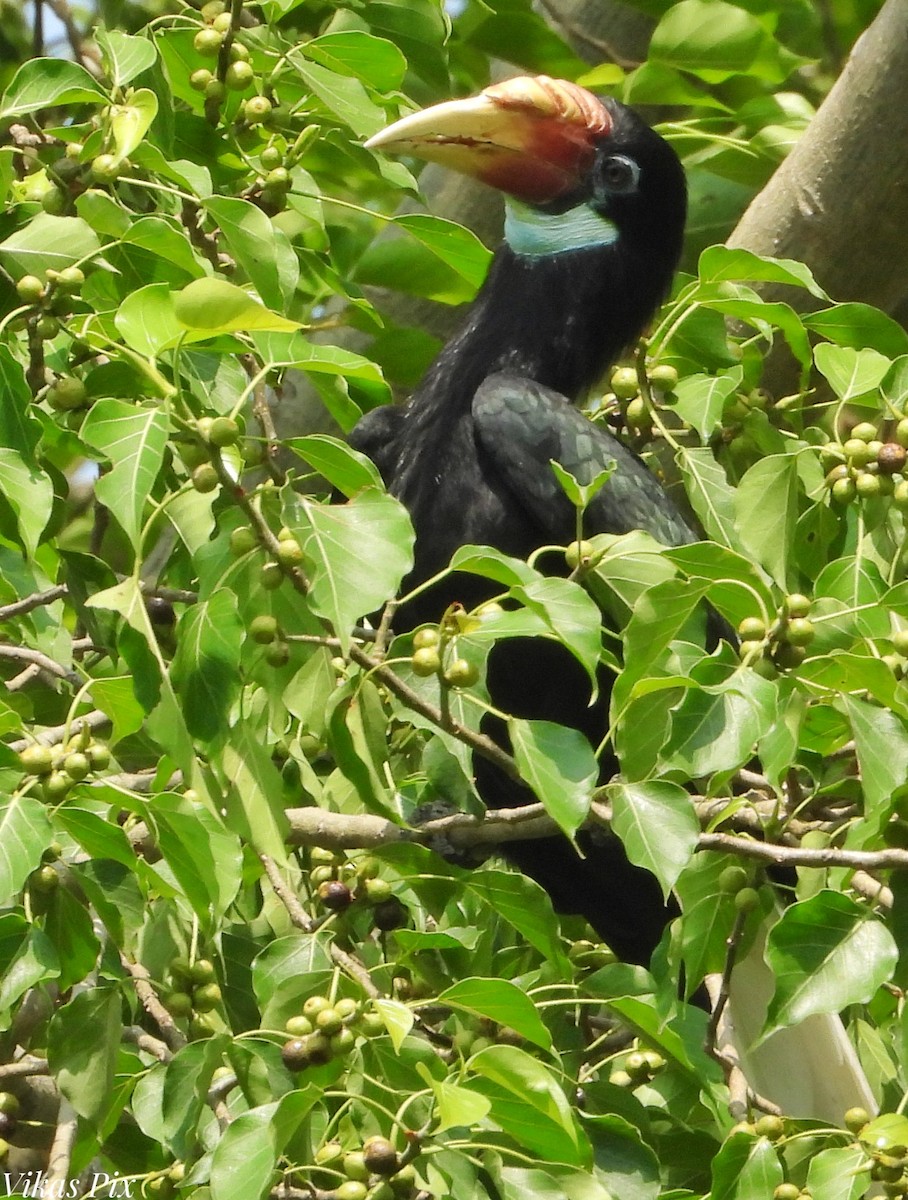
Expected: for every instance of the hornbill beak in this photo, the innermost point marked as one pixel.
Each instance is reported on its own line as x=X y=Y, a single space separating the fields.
x=531 y=137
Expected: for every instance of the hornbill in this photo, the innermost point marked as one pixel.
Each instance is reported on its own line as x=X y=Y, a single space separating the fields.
x=595 y=209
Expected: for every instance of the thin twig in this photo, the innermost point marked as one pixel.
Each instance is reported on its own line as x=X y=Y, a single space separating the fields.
x=56 y=733
x=28 y=603
x=300 y=918
x=60 y=1156
x=27 y=655
x=174 y=1039
x=24 y=1067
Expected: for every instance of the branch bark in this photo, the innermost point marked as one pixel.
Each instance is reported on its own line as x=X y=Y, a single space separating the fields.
x=839 y=202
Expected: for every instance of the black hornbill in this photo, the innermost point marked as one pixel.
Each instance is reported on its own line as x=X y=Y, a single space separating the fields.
x=595 y=210
x=595 y=215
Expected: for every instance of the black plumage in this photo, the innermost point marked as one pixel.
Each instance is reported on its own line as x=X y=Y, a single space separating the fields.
x=469 y=454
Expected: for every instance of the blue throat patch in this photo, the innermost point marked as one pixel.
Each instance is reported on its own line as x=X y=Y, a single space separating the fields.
x=533 y=233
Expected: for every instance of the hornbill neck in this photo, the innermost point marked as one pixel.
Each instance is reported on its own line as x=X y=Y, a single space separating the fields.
x=559 y=319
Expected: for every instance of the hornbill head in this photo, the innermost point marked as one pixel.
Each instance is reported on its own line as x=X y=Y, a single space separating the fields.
x=578 y=169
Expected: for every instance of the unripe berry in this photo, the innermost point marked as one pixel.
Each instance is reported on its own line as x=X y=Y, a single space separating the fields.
x=461 y=673
x=664 y=377
x=624 y=382
x=425 y=638
x=223 y=431
x=425 y=661
x=239 y=76
x=752 y=629
x=37 y=759
x=747 y=900
x=200 y=79
x=796 y=605
x=257 y=110
x=289 y=552
x=207 y=42
x=865 y=430
x=577 y=552
x=263 y=629
x=243 y=541
x=205 y=478
x=856 y=1118
x=30 y=289
x=105 y=168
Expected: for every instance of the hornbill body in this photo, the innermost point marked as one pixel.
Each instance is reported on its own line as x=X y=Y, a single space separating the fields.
x=595 y=210
x=596 y=205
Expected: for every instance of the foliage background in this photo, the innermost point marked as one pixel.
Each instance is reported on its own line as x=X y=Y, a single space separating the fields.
x=203 y=267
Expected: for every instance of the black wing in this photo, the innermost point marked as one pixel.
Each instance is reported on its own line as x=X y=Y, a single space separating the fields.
x=523 y=426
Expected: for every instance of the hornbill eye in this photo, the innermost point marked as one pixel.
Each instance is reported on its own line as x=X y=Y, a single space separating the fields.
x=617 y=175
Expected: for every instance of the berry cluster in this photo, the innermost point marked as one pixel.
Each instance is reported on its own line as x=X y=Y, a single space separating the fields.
x=194 y=994
x=864 y=466
x=434 y=649
x=780 y=645
x=327 y=1029
x=57 y=768
x=624 y=405
x=636 y=1068
x=338 y=884
x=373 y=1172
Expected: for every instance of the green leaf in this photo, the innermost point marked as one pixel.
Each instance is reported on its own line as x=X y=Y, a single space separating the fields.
x=35 y=961
x=247 y=1152
x=885 y=1131
x=580 y=494
x=287 y=971
x=524 y=905
x=745 y=1168
x=205 y=669
x=625 y=1164
x=842 y=1173
x=134 y=439
x=528 y=1103
x=130 y=122
x=715 y=728
x=345 y=468
x=456 y=247
x=718 y=263
x=766 y=511
x=48 y=242
x=260 y=247
x=881 y=744
x=826 y=953
x=709 y=37
x=83 y=1042
x=186 y=1082
x=501 y=1001
x=376 y=61
x=859 y=326
x=657 y=823
x=45 y=82
x=216 y=306
x=455 y=1107
x=559 y=765
x=570 y=613
x=347 y=583
x=699 y=400
x=25 y=833
x=343 y=96
x=206 y=859
x=397 y=1017
x=147 y=321
x=711 y=496
x=125 y=55
x=851 y=373
x=30 y=495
